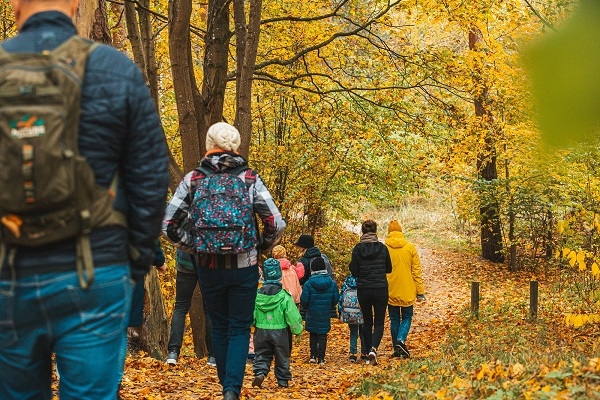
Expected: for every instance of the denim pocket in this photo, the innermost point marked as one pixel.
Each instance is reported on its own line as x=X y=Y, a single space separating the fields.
x=8 y=333
x=103 y=306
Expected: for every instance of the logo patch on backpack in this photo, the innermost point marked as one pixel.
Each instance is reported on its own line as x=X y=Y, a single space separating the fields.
x=223 y=216
x=29 y=126
x=350 y=312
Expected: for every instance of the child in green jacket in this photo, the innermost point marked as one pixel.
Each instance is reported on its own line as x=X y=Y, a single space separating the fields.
x=274 y=312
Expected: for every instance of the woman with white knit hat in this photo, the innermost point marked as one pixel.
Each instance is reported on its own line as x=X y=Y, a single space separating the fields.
x=228 y=279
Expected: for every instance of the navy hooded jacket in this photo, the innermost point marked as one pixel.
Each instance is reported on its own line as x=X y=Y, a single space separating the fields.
x=319 y=295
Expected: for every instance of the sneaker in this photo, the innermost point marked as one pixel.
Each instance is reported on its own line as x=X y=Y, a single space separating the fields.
x=312 y=360
x=364 y=357
x=322 y=363
x=172 y=358
x=373 y=357
x=402 y=350
x=397 y=352
x=258 y=380
x=282 y=383
x=353 y=358
x=211 y=361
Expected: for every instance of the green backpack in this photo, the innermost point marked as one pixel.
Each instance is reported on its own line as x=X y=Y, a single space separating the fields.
x=47 y=189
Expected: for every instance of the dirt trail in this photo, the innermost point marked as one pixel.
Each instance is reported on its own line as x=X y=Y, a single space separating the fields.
x=193 y=379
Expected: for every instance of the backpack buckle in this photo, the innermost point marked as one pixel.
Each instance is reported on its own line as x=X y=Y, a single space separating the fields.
x=86 y=221
x=27 y=90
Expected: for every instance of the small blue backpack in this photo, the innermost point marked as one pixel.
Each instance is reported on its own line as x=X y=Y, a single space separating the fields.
x=349 y=308
x=222 y=213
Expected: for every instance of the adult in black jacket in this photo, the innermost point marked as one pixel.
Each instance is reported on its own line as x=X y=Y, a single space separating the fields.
x=369 y=265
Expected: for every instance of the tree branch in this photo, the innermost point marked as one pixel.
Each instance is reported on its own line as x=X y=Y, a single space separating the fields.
x=541 y=18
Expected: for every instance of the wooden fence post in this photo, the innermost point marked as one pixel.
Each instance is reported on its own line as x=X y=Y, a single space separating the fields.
x=475 y=298
x=533 y=299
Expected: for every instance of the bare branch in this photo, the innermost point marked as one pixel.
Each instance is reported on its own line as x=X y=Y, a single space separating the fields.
x=541 y=18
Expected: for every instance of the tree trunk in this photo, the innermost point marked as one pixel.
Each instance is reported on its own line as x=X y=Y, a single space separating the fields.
x=90 y=19
x=154 y=333
x=491 y=236
x=247 y=37
x=149 y=47
x=187 y=97
x=133 y=32
x=216 y=51
x=197 y=322
x=184 y=83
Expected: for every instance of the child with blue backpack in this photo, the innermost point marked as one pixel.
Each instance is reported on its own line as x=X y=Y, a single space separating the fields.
x=350 y=313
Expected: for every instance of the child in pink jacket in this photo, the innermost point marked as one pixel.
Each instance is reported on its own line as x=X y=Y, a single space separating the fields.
x=290 y=274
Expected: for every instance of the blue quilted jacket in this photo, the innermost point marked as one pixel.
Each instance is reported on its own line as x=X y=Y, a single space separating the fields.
x=319 y=294
x=119 y=131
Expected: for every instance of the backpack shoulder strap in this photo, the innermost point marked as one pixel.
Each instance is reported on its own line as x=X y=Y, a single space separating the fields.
x=74 y=52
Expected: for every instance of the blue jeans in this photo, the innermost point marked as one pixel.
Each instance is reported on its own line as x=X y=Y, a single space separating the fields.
x=400 y=320
x=230 y=295
x=356 y=331
x=86 y=329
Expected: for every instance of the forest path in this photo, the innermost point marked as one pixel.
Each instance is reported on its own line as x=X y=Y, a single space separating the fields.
x=446 y=277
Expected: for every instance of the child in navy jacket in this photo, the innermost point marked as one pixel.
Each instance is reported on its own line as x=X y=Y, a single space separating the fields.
x=319 y=294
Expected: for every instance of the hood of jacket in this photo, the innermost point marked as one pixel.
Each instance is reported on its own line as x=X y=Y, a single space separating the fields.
x=396 y=240
x=269 y=297
x=312 y=252
x=320 y=281
x=369 y=250
x=284 y=263
x=222 y=161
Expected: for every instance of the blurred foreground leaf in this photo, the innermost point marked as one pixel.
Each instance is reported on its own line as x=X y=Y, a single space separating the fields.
x=565 y=70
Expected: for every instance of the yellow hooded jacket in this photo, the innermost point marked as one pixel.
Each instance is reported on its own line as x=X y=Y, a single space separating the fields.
x=405 y=281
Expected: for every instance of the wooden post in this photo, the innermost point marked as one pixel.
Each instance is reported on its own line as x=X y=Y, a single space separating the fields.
x=533 y=299
x=475 y=298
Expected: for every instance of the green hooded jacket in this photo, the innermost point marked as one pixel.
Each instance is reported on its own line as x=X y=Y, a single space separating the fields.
x=275 y=309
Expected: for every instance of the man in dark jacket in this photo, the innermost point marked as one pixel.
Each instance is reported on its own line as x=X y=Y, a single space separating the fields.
x=307 y=243
x=43 y=309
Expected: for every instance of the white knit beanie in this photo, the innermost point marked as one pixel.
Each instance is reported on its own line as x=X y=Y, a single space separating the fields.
x=223 y=136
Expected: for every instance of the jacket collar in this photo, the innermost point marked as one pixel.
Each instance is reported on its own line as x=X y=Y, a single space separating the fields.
x=47 y=19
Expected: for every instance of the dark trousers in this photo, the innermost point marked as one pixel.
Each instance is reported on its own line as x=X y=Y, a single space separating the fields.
x=184 y=290
x=230 y=295
x=318 y=346
x=373 y=304
x=269 y=344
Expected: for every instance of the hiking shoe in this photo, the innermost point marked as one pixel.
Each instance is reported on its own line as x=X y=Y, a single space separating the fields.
x=312 y=360
x=258 y=380
x=172 y=358
x=211 y=361
x=353 y=358
x=373 y=357
x=282 y=383
x=402 y=350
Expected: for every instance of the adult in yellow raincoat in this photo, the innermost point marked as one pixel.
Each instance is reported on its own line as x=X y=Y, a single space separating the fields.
x=405 y=286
